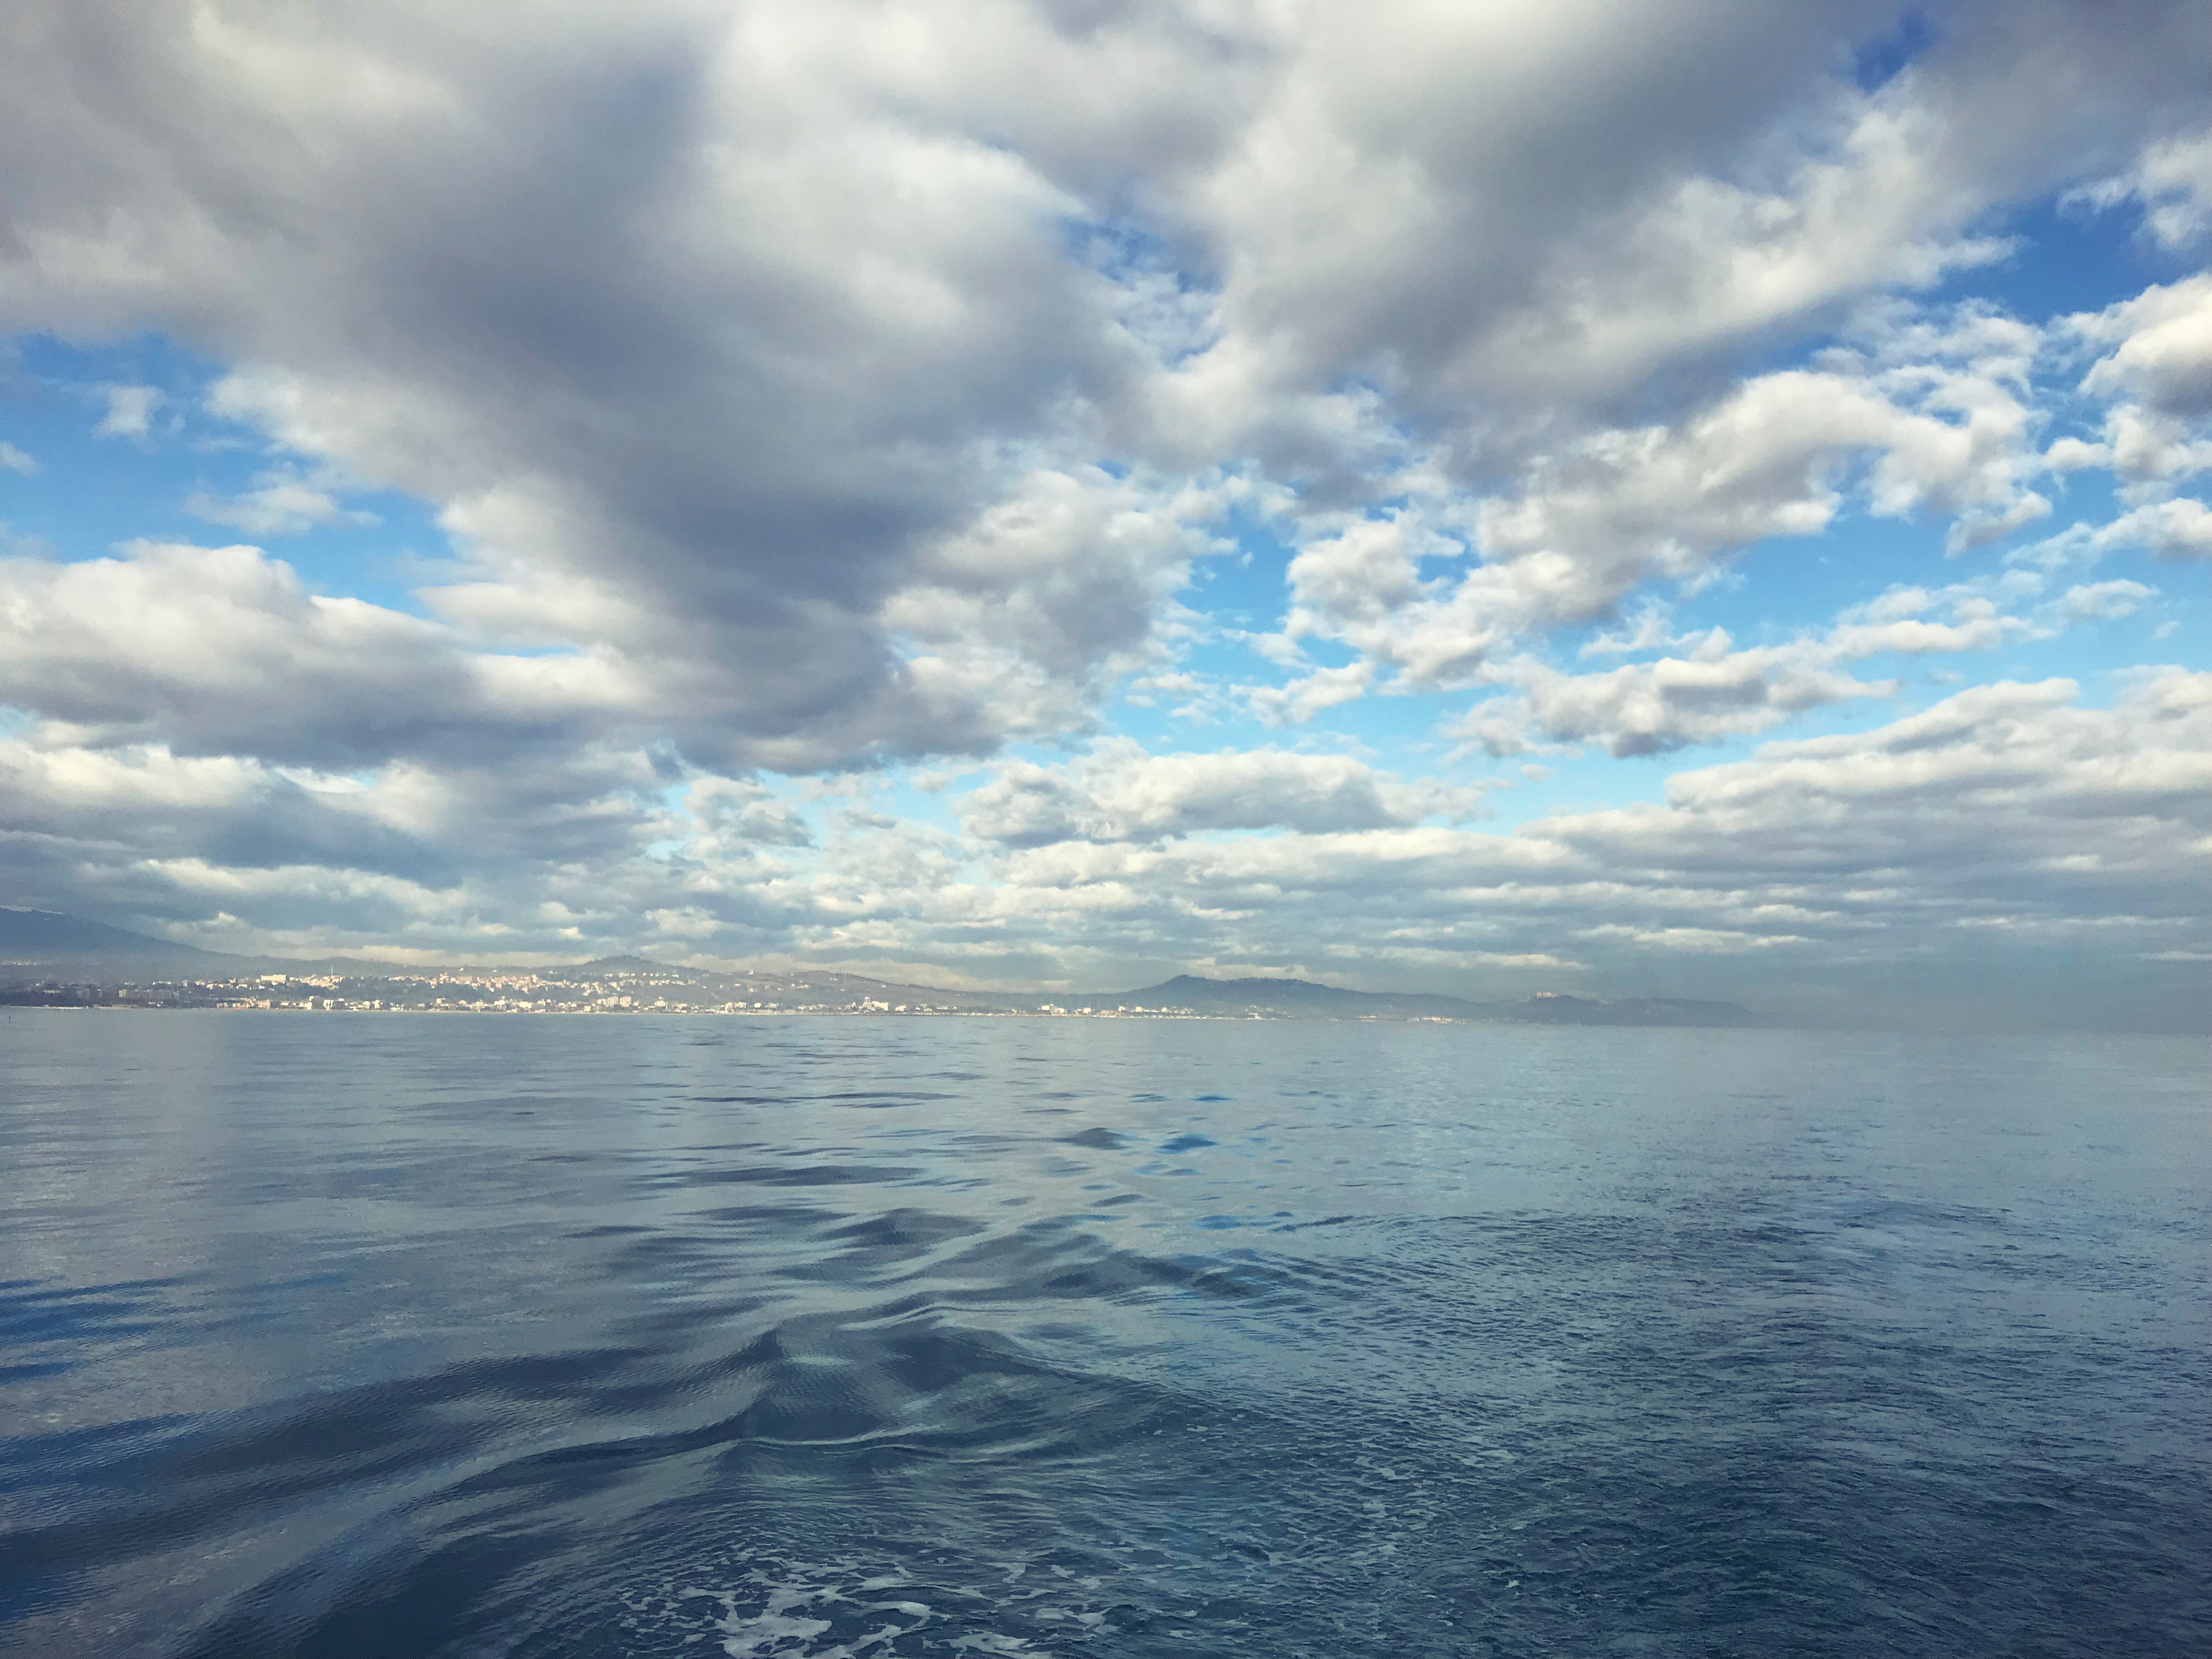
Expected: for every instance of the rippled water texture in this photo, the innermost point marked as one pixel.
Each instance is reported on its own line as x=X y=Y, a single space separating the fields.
x=392 y=1336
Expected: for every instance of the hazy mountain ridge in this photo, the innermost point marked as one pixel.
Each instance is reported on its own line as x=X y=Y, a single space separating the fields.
x=50 y=958
x=35 y=936
x=70 y=946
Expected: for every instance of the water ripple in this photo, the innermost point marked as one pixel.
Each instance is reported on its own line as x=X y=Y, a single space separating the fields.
x=805 y=1339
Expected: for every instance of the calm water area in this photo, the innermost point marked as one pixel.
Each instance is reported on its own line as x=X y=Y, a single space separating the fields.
x=401 y=1336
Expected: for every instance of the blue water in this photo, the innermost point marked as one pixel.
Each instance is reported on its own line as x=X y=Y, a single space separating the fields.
x=405 y=1336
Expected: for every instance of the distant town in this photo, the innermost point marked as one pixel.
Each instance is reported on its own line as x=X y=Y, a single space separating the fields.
x=51 y=961
x=628 y=986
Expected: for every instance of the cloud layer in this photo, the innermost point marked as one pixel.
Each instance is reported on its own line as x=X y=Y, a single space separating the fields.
x=827 y=391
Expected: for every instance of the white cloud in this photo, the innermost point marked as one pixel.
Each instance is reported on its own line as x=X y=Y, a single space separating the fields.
x=2150 y=451
x=898 y=366
x=2106 y=601
x=1716 y=691
x=1118 y=793
x=13 y=460
x=2172 y=180
x=2159 y=349
x=280 y=501
x=130 y=411
x=1646 y=708
x=1676 y=504
x=1301 y=699
x=733 y=813
x=1034 y=606
x=1649 y=634
x=847 y=289
x=816 y=322
x=2178 y=527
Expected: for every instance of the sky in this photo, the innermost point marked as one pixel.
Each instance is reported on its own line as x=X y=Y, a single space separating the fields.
x=1692 y=499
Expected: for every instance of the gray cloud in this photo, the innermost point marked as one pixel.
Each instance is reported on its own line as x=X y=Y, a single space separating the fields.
x=688 y=307
x=1513 y=218
x=2008 y=824
x=221 y=651
x=818 y=387
x=2006 y=820
x=726 y=339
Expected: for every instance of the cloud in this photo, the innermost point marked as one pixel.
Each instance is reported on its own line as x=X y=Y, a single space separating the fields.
x=2175 y=529
x=488 y=854
x=817 y=389
x=1506 y=216
x=1039 y=602
x=812 y=325
x=1304 y=698
x=223 y=651
x=2173 y=181
x=1624 y=508
x=13 y=460
x=1979 y=796
x=233 y=813
x=2159 y=349
x=2106 y=601
x=2005 y=818
x=1648 y=708
x=733 y=812
x=281 y=501
x=1716 y=691
x=1121 y=793
x=853 y=303
x=130 y=411
x=2178 y=527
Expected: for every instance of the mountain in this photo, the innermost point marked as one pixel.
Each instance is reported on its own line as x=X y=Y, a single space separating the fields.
x=47 y=945
x=49 y=939
x=35 y=934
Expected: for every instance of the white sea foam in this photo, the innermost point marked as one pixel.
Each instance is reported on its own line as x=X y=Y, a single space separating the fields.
x=803 y=1611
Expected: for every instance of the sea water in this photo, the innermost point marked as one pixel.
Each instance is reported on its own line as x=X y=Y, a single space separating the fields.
x=461 y=1335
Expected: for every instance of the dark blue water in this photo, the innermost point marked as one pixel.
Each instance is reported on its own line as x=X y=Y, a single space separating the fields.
x=408 y=1336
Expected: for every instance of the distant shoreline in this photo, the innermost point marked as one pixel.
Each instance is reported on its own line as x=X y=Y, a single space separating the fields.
x=10 y=1003
x=66 y=962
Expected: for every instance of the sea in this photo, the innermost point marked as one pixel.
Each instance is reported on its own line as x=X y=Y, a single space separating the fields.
x=394 y=1337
